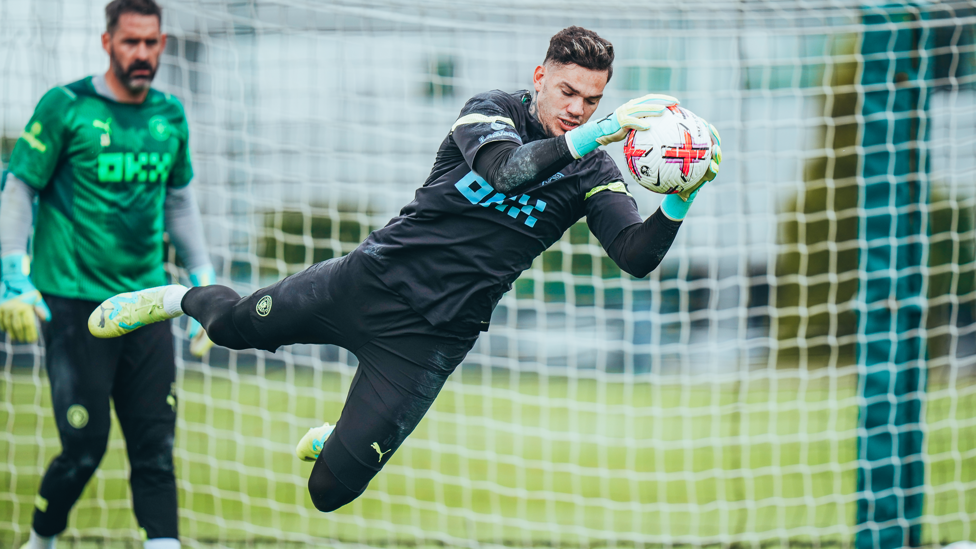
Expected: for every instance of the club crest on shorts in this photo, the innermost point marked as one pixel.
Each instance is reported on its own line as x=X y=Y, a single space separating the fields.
x=77 y=416
x=264 y=306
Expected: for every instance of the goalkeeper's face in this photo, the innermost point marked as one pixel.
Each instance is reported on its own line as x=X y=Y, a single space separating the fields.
x=566 y=95
x=134 y=48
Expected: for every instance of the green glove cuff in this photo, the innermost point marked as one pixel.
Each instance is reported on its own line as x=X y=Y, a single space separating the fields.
x=15 y=268
x=583 y=140
x=203 y=276
x=675 y=208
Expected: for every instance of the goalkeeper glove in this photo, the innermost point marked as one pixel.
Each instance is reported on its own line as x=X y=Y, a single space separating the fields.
x=20 y=301
x=676 y=206
x=591 y=135
x=199 y=341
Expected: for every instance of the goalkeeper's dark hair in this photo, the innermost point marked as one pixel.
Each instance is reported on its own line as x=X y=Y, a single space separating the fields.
x=115 y=9
x=579 y=46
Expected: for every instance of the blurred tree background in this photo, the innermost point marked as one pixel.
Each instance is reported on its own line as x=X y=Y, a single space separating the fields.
x=817 y=266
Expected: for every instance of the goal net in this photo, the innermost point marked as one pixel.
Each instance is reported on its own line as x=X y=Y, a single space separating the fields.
x=714 y=403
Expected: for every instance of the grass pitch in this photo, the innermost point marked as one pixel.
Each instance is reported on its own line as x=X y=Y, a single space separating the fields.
x=510 y=459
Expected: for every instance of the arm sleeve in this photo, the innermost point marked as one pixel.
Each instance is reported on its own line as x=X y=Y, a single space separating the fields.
x=16 y=215
x=639 y=249
x=182 y=171
x=486 y=134
x=185 y=227
x=36 y=153
x=506 y=166
x=611 y=213
x=607 y=203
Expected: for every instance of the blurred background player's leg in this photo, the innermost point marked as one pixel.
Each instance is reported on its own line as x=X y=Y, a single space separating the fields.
x=145 y=403
x=81 y=369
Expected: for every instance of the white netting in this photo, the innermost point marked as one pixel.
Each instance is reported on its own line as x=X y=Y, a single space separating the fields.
x=711 y=403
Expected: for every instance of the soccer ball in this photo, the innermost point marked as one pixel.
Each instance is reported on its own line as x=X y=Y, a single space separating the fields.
x=671 y=156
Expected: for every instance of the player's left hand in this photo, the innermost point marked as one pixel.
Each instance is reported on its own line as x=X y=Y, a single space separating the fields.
x=676 y=206
x=20 y=302
x=200 y=343
x=688 y=194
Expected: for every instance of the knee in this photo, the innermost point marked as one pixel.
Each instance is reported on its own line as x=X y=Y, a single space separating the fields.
x=81 y=455
x=327 y=493
x=152 y=455
x=223 y=332
x=157 y=462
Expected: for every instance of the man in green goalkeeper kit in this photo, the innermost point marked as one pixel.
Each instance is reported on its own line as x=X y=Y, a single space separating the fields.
x=108 y=158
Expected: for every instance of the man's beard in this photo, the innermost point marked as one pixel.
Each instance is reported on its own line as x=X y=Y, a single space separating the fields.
x=131 y=83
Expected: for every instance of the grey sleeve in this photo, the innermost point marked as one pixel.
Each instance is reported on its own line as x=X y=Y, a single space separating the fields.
x=185 y=227
x=16 y=215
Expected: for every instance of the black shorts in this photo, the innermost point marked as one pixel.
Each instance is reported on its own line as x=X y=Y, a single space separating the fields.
x=403 y=360
x=137 y=371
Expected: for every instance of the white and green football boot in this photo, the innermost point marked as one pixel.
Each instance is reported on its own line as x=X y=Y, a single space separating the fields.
x=310 y=446
x=123 y=313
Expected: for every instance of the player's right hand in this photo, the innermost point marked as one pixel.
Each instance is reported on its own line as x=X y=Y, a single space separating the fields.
x=20 y=301
x=629 y=116
x=613 y=128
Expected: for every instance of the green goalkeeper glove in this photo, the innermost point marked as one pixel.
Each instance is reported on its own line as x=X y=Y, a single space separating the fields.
x=20 y=301
x=591 y=135
x=199 y=341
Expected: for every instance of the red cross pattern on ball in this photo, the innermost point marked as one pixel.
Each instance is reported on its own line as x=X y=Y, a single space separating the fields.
x=632 y=153
x=686 y=153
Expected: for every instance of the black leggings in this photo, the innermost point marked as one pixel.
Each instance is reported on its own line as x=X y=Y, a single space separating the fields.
x=137 y=372
x=403 y=360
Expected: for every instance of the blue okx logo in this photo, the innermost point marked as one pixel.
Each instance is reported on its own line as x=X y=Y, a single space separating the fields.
x=476 y=189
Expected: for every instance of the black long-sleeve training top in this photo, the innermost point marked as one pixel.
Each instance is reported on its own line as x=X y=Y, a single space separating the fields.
x=499 y=194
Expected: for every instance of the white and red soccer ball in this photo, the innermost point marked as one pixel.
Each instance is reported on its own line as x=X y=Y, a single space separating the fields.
x=672 y=155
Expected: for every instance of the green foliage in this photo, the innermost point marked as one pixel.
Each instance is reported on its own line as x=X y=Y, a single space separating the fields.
x=440 y=70
x=293 y=240
x=7 y=143
x=817 y=267
x=952 y=266
x=952 y=246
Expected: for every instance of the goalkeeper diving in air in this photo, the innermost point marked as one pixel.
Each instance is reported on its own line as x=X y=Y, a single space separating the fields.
x=107 y=158
x=515 y=171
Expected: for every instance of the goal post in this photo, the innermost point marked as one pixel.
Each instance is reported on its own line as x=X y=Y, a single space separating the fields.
x=721 y=401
